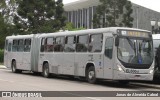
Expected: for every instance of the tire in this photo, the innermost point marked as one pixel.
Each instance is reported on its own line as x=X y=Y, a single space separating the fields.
x=14 y=68
x=91 y=75
x=46 y=73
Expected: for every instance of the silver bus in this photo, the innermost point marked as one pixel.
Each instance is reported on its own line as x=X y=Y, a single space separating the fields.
x=114 y=53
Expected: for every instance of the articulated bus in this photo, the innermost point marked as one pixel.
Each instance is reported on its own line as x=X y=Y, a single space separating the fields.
x=120 y=54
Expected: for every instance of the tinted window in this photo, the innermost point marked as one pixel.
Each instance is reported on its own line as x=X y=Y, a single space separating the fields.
x=59 y=46
x=42 y=44
x=6 y=45
x=15 y=45
x=20 y=46
x=70 y=44
x=9 y=47
x=50 y=44
x=96 y=42
x=82 y=43
x=27 y=45
x=109 y=47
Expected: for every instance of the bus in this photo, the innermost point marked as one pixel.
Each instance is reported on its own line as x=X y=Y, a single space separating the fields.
x=114 y=53
x=156 y=45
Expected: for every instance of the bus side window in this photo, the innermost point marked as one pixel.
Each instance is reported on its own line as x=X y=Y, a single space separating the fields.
x=50 y=44
x=96 y=42
x=9 y=47
x=82 y=43
x=27 y=45
x=20 y=45
x=6 y=45
x=59 y=46
x=70 y=44
x=42 y=44
x=109 y=47
x=15 y=45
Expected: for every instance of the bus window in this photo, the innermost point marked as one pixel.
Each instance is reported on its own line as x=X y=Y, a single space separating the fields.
x=15 y=45
x=6 y=45
x=109 y=47
x=42 y=44
x=20 y=45
x=95 y=44
x=9 y=47
x=59 y=46
x=82 y=43
x=70 y=44
x=27 y=45
x=50 y=44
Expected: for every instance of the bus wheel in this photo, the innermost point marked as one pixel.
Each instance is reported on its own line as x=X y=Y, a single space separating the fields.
x=91 y=75
x=46 y=70
x=14 y=68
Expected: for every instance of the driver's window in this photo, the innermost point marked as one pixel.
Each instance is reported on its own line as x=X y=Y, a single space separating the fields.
x=109 y=47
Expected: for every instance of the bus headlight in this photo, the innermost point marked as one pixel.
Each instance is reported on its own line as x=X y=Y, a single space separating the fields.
x=151 y=71
x=120 y=68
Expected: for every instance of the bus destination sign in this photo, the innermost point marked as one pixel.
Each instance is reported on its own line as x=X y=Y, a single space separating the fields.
x=134 y=34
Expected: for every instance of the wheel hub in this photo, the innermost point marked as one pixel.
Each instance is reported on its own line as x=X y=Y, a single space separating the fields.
x=91 y=75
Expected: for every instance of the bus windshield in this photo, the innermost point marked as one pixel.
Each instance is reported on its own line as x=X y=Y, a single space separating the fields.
x=135 y=51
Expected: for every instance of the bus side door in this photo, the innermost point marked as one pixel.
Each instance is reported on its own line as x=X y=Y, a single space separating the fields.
x=108 y=58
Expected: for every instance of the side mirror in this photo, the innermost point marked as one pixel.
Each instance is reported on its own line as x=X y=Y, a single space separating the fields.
x=117 y=41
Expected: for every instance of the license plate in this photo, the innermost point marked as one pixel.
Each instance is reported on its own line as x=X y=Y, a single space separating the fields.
x=132 y=71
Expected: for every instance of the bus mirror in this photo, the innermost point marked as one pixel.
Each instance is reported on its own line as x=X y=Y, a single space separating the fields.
x=117 y=41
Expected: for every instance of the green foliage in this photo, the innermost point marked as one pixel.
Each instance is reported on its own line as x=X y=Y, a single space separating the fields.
x=39 y=16
x=112 y=13
x=70 y=27
x=1 y=55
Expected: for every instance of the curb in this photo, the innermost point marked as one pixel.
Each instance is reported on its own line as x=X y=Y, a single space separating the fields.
x=2 y=67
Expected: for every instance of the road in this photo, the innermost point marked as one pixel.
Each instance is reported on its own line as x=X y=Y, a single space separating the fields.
x=26 y=81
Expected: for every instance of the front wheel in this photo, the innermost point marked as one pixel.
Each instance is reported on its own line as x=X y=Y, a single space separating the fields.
x=91 y=75
x=46 y=70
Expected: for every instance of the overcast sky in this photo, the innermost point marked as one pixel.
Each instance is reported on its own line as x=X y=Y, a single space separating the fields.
x=152 y=4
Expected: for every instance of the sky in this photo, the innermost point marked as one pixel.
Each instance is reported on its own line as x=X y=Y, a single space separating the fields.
x=151 y=4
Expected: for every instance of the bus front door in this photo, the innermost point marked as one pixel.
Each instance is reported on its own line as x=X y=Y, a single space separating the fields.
x=108 y=59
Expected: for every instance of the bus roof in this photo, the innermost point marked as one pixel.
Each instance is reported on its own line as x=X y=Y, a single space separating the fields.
x=156 y=36
x=90 y=31
x=19 y=36
x=87 y=31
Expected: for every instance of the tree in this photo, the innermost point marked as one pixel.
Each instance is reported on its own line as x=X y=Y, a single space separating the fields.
x=5 y=30
x=39 y=16
x=112 y=13
x=8 y=9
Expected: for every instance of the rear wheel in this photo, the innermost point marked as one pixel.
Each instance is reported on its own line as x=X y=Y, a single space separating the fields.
x=14 y=68
x=91 y=75
x=46 y=70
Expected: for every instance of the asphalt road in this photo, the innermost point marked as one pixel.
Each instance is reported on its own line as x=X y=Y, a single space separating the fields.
x=26 y=81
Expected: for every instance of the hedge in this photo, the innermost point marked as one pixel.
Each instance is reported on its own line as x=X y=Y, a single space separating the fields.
x=1 y=55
